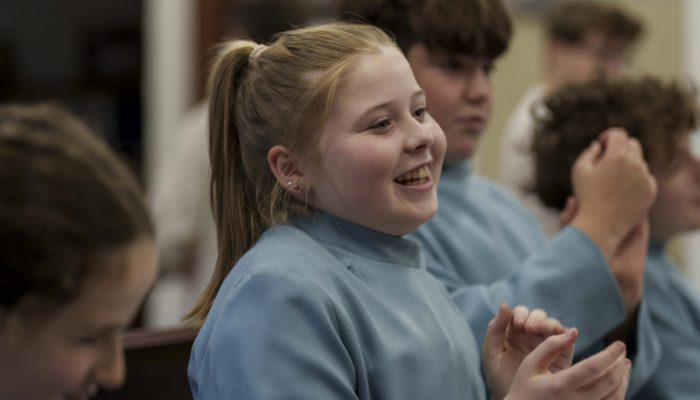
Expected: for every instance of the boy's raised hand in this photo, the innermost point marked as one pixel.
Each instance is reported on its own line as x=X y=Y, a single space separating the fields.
x=614 y=189
x=626 y=254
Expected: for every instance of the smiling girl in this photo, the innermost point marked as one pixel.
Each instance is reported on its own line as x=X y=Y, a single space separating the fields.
x=323 y=157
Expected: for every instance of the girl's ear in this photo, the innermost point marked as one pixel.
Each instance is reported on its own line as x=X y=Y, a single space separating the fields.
x=287 y=171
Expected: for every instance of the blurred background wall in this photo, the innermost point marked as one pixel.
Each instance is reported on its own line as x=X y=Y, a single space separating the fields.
x=691 y=56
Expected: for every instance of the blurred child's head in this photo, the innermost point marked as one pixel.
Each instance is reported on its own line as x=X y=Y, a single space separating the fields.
x=76 y=256
x=452 y=47
x=589 y=39
x=660 y=115
x=327 y=117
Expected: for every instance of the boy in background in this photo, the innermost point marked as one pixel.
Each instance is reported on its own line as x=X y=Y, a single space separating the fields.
x=585 y=39
x=662 y=116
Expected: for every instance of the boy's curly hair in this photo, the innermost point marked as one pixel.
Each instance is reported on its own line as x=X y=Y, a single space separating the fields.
x=659 y=114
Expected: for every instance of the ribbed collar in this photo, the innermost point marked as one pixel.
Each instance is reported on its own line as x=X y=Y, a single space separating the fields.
x=364 y=242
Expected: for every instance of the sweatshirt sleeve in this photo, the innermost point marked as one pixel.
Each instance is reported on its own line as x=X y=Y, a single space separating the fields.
x=568 y=278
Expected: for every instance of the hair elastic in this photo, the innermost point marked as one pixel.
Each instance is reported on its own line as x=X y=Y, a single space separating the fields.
x=257 y=51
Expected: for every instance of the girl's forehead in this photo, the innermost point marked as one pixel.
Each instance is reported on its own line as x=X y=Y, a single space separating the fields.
x=388 y=67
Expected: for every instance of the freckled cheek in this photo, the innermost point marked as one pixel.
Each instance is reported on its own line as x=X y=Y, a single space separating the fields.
x=372 y=172
x=376 y=176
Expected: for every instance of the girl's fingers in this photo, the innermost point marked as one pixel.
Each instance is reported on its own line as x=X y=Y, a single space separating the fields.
x=611 y=384
x=621 y=390
x=496 y=331
x=543 y=355
x=589 y=370
x=520 y=314
x=539 y=323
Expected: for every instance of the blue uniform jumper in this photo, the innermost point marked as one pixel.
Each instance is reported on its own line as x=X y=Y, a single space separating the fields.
x=323 y=309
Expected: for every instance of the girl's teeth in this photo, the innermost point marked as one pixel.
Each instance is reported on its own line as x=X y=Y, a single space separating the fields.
x=420 y=174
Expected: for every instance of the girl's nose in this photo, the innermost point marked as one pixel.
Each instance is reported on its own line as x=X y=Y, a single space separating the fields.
x=110 y=371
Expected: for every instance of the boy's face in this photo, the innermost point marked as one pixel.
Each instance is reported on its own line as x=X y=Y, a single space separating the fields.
x=458 y=92
x=677 y=205
x=594 y=56
x=77 y=348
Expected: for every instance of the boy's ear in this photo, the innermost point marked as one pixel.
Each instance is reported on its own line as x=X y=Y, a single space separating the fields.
x=286 y=170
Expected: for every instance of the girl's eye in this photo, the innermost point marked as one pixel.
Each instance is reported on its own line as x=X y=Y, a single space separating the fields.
x=420 y=113
x=87 y=340
x=381 y=125
x=96 y=339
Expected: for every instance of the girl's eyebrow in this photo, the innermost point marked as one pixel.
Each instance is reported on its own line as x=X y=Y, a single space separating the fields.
x=417 y=93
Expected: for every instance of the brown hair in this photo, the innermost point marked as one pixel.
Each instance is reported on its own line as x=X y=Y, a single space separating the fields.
x=480 y=28
x=65 y=201
x=571 y=20
x=658 y=114
x=279 y=97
